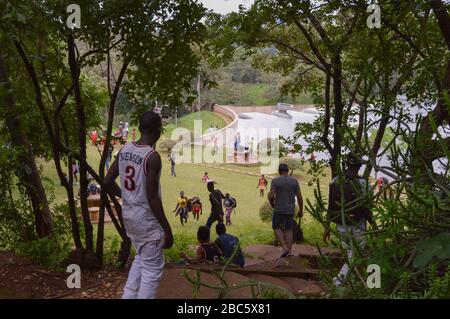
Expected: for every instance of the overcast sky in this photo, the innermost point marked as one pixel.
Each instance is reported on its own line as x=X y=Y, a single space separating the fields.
x=225 y=6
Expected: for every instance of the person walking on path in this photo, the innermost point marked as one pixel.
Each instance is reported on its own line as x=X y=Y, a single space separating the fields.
x=282 y=196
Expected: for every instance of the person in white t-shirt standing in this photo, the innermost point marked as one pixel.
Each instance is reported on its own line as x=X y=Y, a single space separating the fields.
x=139 y=168
x=125 y=131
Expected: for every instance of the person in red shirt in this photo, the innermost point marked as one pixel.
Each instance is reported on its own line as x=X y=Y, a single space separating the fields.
x=262 y=185
x=94 y=137
x=206 y=178
x=196 y=208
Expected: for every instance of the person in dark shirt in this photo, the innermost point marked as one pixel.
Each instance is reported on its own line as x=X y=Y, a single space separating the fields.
x=229 y=203
x=206 y=251
x=172 y=165
x=227 y=244
x=215 y=198
x=284 y=192
x=351 y=219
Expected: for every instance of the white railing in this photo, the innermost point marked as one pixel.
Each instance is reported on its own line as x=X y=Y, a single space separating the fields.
x=209 y=137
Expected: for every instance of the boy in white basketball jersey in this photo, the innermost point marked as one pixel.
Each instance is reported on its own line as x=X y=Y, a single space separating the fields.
x=139 y=168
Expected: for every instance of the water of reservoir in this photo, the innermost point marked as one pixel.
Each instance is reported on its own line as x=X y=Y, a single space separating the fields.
x=261 y=125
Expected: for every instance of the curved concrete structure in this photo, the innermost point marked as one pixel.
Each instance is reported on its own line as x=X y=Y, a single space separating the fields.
x=209 y=137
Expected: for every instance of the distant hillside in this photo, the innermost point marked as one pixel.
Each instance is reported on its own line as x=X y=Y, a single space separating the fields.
x=241 y=84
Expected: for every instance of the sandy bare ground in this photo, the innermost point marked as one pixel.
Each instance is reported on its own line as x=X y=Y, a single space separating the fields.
x=297 y=275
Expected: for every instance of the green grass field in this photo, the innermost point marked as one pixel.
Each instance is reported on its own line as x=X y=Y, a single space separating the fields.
x=259 y=94
x=250 y=94
x=207 y=118
x=246 y=222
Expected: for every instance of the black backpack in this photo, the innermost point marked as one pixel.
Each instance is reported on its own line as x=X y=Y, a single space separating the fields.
x=298 y=232
x=235 y=201
x=189 y=205
x=354 y=200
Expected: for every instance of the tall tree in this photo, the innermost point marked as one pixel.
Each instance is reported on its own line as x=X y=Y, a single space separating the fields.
x=326 y=48
x=29 y=173
x=154 y=42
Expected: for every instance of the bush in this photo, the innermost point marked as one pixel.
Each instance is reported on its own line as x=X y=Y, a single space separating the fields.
x=292 y=163
x=112 y=249
x=17 y=226
x=265 y=212
x=167 y=144
x=180 y=244
x=16 y=214
x=49 y=251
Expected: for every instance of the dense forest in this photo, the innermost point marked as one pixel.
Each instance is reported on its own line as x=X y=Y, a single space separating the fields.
x=243 y=83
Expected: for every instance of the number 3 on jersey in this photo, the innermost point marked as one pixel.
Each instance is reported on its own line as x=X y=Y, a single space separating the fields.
x=130 y=184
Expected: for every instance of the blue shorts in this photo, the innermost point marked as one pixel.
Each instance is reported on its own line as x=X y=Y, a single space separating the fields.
x=283 y=221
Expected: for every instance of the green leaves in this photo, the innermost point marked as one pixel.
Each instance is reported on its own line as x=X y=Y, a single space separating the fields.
x=435 y=247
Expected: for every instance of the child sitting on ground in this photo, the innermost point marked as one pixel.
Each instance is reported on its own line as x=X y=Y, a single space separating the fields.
x=206 y=251
x=228 y=244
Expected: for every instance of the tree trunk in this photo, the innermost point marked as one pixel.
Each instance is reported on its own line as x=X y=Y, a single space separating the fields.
x=338 y=113
x=425 y=150
x=30 y=173
x=82 y=133
x=104 y=195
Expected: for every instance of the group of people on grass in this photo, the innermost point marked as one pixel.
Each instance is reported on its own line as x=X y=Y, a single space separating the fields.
x=186 y=205
x=123 y=131
x=226 y=244
x=139 y=168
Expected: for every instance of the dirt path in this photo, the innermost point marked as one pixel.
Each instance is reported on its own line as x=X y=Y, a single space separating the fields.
x=297 y=275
